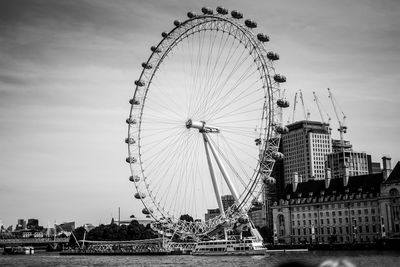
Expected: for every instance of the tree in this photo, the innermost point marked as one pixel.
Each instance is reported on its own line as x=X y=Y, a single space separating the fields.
x=186 y=217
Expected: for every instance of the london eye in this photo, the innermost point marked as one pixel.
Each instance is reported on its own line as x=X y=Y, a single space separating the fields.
x=205 y=121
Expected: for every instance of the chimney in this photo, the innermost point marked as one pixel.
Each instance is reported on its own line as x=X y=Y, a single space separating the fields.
x=387 y=167
x=295 y=181
x=328 y=177
x=346 y=176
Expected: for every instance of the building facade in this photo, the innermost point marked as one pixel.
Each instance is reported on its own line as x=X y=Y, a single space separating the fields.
x=304 y=148
x=358 y=209
x=355 y=163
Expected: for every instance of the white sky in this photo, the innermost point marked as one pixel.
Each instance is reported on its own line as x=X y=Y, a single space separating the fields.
x=67 y=70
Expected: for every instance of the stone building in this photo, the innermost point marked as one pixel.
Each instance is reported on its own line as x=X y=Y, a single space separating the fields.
x=352 y=209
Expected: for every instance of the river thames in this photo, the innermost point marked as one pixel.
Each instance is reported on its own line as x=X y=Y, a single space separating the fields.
x=312 y=258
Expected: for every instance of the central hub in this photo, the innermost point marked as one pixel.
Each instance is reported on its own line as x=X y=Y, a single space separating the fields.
x=201 y=125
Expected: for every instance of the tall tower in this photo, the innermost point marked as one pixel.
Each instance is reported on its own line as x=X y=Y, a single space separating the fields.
x=305 y=147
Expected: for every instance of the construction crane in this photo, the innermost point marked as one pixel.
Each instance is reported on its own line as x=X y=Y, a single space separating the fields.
x=342 y=126
x=320 y=110
x=306 y=114
x=294 y=106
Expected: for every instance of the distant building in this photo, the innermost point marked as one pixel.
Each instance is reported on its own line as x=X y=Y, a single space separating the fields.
x=32 y=224
x=257 y=216
x=304 y=148
x=355 y=163
x=348 y=210
x=339 y=146
x=211 y=213
x=21 y=224
x=227 y=201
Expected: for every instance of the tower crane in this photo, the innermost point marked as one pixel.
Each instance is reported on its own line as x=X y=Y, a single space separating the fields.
x=306 y=114
x=320 y=110
x=294 y=106
x=342 y=126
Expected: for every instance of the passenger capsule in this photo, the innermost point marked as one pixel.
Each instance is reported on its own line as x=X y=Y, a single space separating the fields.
x=147 y=211
x=177 y=23
x=147 y=66
x=282 y=129
x=164 y=34
x=272 y=56
x=140 y=195
x=155 y=49
x=236 y=14
x=130 y=121
x=130 y=140
x=222 y=10
x=131 y=160
x=282 y=103
x=207 y=11
x=250 y=23
x=263 y=38
x=277 y=156
x=191 y=15
x=134 y=102
x=140 y=83
x=279 y=78
x=134 y=178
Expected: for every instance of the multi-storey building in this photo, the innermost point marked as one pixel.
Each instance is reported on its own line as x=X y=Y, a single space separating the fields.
x=227 y=201
x=304 y=148
x=339 y=145
x=355 y=163
x=347 y=210
x=211 y=213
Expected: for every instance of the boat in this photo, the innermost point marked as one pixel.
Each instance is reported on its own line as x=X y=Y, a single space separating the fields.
x=19 y=250
x=246 y=246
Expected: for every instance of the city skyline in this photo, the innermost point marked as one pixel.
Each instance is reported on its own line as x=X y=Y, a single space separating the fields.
x=67 y=73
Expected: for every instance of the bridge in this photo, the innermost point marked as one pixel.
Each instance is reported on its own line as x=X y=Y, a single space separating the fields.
x=48 y=242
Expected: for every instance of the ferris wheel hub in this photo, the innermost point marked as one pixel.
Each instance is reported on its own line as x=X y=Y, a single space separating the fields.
x=201 y=126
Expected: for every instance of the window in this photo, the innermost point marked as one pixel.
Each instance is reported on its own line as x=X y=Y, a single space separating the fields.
x=359 y=212
x=327 y=221
x=333 y=213
x=365 y=211
x=352 y=212
x=340 y=213
x=366 y=218
x=340 y=220
x=322 y=221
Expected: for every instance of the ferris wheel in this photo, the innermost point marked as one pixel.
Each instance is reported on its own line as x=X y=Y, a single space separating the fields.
x=205 y=122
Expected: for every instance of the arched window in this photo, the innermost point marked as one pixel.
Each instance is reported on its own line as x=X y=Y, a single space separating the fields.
x=393 y=192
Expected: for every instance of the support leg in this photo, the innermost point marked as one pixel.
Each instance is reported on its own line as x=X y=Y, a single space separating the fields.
x=214 y=181
x=223 y=170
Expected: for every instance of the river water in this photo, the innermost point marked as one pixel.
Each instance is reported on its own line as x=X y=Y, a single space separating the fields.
x=313 y=258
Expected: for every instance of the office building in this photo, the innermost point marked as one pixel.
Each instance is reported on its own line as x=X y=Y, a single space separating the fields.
x=305 y=147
